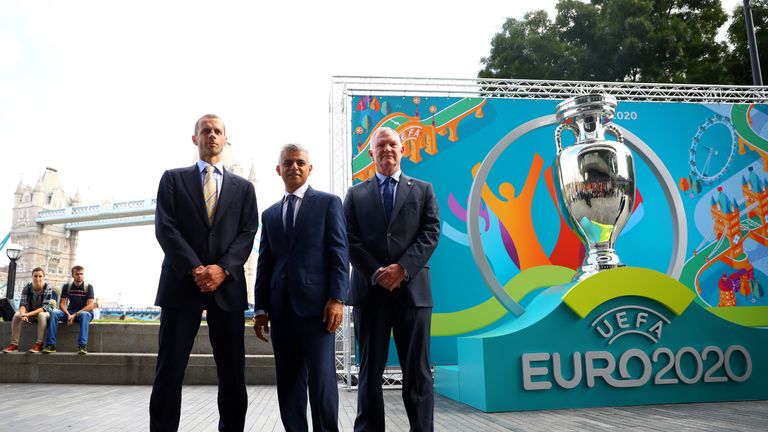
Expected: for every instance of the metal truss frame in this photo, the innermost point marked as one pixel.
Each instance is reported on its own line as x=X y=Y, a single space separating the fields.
x=343 y=88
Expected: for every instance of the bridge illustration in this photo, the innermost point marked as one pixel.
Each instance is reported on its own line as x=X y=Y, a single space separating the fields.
x=734 y=223
x=418 y=134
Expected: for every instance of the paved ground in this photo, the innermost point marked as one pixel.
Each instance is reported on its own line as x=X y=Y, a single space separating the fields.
x=92 y=408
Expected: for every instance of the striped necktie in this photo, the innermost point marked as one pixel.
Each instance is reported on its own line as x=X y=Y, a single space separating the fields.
x=210 y=193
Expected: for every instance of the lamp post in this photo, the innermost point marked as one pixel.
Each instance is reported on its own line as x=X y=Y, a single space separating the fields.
x=6 y=305
x=14 y=253
x=754 y=59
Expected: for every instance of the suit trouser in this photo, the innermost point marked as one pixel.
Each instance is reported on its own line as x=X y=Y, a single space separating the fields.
x=178 y=328
x=410 y=327
x=305 y=359
x=40 y=319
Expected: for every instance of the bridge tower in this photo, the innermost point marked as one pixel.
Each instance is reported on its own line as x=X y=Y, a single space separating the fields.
x=51 y=247
x=250 y=265
x=232 y=165
x=725 y=214
x=755 y=192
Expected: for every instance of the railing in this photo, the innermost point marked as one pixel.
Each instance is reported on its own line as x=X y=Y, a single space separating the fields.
x=126 y=213
x=548 y=89
x=111 y=223
x=135 y=204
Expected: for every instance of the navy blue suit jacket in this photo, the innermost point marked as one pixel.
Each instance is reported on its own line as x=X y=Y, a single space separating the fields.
x=409 y=238
x=189 y=240
x=311 y=267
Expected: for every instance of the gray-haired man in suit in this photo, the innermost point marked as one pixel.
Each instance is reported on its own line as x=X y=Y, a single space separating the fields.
x=393 y=225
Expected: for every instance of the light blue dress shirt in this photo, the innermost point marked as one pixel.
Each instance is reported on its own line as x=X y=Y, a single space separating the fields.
x=381 y=177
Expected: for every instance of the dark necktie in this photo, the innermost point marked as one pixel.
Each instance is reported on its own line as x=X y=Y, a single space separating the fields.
x=289 y=215
x=388 y=196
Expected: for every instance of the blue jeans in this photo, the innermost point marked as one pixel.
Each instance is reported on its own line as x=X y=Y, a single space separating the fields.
x=57 y=316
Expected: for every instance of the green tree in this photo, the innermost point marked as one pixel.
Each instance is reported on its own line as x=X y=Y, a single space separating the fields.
x=738 y=60
x=616 y=40
x=527 y=48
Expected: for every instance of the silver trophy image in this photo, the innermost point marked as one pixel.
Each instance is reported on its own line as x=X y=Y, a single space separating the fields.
x=595 y=179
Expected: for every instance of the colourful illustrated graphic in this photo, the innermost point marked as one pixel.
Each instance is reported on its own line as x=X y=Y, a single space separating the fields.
x=717 y=154
x=625 y=336
x=730 y=265
x=415 y=133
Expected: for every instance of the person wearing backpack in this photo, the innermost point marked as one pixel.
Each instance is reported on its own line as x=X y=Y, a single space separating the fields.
x=37 y=302
x=76 y=306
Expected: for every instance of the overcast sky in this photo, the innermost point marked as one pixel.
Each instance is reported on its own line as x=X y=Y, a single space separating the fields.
x=108 y=92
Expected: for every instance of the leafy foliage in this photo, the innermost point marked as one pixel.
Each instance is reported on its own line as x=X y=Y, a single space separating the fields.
x=738 y=60
x=622 y=40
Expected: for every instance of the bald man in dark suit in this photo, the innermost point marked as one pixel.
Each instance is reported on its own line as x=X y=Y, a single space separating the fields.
x=393 y=225
x=206 y=220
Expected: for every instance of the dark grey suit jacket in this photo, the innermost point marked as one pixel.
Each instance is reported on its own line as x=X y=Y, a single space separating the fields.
x=409 y=238
x=189 y=240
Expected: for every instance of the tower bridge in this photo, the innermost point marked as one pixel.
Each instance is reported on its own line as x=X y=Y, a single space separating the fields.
x=101 y=216
x=46 y=224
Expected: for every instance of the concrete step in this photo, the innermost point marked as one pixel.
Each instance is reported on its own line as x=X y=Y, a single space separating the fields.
x=120 y=353
x=119 y=369
x=123 y=338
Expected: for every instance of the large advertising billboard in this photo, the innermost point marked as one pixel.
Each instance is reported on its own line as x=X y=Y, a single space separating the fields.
x=717 y=155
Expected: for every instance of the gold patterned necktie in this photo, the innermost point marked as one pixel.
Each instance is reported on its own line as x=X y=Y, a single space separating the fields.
x=210 y=193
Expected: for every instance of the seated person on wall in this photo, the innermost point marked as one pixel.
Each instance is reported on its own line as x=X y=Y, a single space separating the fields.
x=37 y=302
x=76 y=306
x=96 y=310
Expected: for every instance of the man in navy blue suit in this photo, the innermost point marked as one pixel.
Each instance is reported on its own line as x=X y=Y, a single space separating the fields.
x=205 y=221
x=393 y=223
x=302 y=279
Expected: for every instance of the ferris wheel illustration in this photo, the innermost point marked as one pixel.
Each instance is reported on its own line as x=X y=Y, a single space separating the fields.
x=709 y=161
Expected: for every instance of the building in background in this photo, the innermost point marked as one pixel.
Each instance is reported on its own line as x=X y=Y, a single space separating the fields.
x=51 y=247
x=54 y=247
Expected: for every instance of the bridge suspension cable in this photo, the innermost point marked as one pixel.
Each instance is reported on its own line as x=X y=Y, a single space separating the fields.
x=5 y=240
x=717 y=247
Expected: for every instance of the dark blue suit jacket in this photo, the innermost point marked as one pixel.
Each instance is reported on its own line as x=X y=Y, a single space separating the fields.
x=189 y=240
x=409 y=238
x=311 y=267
